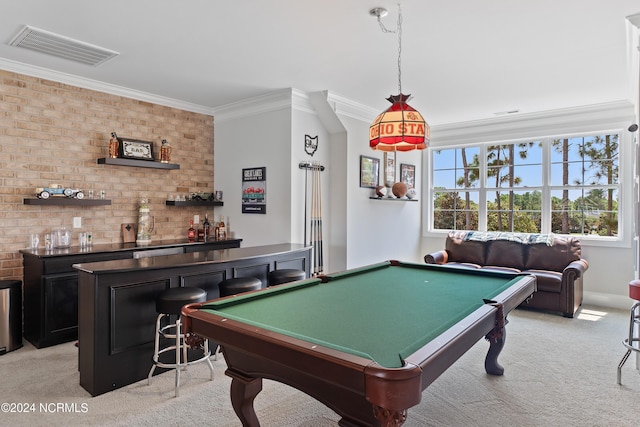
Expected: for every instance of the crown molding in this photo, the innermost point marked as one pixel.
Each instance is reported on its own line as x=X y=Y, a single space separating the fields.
x=47 y=74
x=634 y=19
x=597 y=117
x=355 y=110
x=271 y=101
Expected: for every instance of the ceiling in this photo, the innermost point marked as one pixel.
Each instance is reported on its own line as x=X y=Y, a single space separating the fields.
x=461 y=60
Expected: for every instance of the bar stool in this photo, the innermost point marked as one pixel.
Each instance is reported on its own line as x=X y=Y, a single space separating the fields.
x=170 y=303
x=285 y=275
x=238 y=285
x=632 y=343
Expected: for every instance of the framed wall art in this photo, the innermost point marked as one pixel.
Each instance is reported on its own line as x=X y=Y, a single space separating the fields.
x=389 y=168
x=254 y=190
x=369 y=172
x=135 y=149
x=408 y=175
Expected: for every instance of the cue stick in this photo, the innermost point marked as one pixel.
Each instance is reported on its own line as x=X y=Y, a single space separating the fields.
x=317 y=220
x=306 y=197
x=320 y=257
x=313 y=222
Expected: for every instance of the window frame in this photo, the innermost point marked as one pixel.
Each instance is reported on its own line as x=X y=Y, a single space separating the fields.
x=626 y=198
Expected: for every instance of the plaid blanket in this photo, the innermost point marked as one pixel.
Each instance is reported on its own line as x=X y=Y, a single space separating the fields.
x=523 y=238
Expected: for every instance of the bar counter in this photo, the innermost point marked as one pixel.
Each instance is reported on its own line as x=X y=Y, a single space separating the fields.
x=116 y=303
x=51 y=282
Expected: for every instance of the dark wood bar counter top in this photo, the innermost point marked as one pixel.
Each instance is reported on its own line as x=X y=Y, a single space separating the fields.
x=187 y=259
x=117 y=302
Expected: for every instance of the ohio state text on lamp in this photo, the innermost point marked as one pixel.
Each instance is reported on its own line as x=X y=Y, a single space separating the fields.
x=399 y=128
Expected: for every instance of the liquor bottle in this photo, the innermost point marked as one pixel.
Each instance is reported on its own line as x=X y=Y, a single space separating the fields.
x=222 y=231
x=113 y=146
x=191 y=232
x=165 y=152
x=206 y=228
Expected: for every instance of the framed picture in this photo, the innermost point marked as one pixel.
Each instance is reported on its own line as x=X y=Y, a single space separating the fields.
x=408 y=175
x=369 y=172
x=254 y=190
x=135 y=149
x=389 y=168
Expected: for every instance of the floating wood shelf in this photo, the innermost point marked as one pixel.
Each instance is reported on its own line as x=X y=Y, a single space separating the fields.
x=393 y=199
x=60 y=201
x=193 y=203
x=137 y=163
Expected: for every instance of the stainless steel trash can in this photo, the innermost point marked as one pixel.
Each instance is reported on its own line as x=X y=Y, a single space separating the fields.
x=10 y=315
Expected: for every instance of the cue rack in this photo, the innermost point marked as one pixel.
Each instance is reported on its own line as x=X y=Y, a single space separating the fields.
x=316 y=213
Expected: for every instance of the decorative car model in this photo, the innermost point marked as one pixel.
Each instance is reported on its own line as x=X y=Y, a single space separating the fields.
x=57 y=190
x=203 y=197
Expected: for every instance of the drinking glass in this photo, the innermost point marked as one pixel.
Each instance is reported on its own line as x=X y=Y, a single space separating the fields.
x=48 y=241
x=82 y=240
x=35 y=241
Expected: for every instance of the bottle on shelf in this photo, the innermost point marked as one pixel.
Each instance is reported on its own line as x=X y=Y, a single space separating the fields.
x=222 y=232
x=200 y=232
x=113 y=146
x=206 y=228
x=191 y=232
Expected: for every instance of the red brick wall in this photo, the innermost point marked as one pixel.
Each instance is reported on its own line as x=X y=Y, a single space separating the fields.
x=52 y=132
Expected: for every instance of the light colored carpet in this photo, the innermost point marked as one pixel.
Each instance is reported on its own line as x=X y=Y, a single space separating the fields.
x=558 y=372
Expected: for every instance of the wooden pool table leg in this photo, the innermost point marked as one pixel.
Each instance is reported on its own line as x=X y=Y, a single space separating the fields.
x=389 y=418
x=496 y=342
x=243 y=391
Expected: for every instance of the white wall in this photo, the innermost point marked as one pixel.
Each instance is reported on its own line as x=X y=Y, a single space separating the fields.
x=247 y=138
x=372 y=230
x=269 y=131
x=611 y=262
x=378 y=230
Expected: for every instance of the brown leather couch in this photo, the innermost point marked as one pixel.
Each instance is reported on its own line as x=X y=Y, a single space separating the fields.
x=555 y=261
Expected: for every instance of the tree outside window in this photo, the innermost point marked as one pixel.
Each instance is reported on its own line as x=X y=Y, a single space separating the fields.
x=582 y=188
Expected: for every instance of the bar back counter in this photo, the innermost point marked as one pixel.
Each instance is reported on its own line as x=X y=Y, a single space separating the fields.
x=116 y=303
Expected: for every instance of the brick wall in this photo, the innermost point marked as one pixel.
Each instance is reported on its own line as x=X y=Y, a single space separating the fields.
x=52 y=132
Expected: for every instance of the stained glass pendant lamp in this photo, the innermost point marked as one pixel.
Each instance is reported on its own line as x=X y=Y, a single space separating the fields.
x=400 y=127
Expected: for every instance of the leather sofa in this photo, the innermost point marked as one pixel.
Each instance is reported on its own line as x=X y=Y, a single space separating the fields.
x=554 y=260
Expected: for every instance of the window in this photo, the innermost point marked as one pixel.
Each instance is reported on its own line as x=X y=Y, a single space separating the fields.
x=567 y=185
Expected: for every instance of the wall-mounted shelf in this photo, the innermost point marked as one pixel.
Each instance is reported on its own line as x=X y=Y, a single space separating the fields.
x=137 y=163
x=393 y=199
x=67 y=202
x=193 y=203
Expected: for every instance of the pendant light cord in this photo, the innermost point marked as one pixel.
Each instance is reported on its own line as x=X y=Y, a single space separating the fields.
x=398 y=31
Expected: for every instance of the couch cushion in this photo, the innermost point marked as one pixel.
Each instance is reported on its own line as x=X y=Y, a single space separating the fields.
x=547 y=281
x=461 y=250
x=556 y=257
x=505 y=253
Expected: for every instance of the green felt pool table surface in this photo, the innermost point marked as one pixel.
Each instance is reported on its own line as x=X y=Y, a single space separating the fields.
x=365 y=342
x=406 y=305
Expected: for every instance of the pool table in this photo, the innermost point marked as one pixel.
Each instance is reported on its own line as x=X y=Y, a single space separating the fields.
x=365 y=342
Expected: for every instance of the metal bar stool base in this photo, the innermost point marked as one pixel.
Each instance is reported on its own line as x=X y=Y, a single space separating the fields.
x=632 y=343
x=180 y=348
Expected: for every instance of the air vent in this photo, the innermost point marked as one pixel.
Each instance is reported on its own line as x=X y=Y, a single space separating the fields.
x=63 y=47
